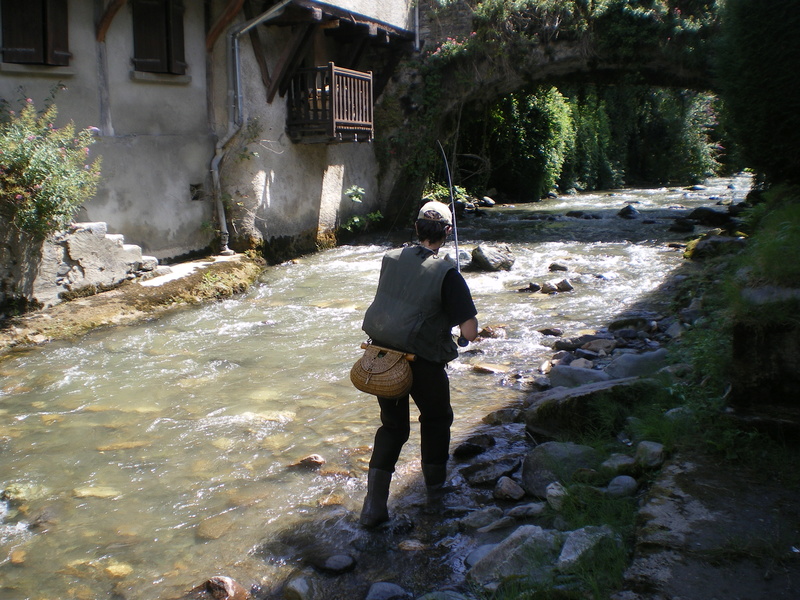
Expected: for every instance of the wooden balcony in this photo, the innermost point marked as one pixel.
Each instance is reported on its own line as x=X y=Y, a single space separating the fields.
x=329 y=105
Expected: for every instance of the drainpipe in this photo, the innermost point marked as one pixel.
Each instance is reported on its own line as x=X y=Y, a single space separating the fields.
x=234 y=110
x=416 y=27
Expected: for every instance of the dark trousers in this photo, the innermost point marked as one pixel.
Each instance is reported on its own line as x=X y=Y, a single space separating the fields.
x=431 y=394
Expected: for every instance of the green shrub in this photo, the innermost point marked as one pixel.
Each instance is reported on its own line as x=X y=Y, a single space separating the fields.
x=530 y=136
x=45 y=171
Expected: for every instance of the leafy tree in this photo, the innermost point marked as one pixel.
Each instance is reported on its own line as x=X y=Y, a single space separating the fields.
x=527 y=141
x=757 y=62
x=45 y=171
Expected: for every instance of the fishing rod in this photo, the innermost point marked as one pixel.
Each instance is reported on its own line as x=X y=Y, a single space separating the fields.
x=452 y=205
x=461 y=341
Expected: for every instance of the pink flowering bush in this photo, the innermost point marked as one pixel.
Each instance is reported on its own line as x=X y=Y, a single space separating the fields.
x=45 y=172
x=451 y=48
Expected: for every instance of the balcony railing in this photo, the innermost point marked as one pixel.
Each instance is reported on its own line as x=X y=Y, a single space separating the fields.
x=330 y=104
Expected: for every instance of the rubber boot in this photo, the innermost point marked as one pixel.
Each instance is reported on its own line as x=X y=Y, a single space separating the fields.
x=375 y=511
x=435 y=476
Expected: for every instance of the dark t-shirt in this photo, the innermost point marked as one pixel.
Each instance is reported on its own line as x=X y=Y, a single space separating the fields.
x=456 y=298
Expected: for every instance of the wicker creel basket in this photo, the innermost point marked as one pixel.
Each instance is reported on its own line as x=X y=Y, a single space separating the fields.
x=382 y=372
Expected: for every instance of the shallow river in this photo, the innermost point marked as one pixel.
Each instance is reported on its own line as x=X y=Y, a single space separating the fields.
x=141 y=460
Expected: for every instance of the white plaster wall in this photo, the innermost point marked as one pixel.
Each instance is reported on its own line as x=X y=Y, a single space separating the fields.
x=290 y=189
x=78 y=102
x=155 y=136
x=157 y=146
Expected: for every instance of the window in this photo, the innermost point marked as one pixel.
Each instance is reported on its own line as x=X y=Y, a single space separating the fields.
x=35 y=32
x=158 y=36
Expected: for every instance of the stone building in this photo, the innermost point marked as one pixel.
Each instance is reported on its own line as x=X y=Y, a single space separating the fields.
x=245 y=117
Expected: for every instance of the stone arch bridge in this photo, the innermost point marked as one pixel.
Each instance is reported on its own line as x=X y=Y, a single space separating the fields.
x=467 y=63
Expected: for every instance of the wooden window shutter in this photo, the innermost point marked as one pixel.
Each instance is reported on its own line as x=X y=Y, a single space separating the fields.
x=150 y=36
x=177 y=59
x=23 y=31
x=57 y=50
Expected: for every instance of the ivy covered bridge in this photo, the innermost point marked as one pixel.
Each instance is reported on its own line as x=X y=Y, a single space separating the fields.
x=485 y=51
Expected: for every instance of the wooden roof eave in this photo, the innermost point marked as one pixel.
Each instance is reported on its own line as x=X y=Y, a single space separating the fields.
x=223 y=21
x=108 y=16
x=375 y=27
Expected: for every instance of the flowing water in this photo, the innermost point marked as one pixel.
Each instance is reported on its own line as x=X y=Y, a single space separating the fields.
x=141 y=460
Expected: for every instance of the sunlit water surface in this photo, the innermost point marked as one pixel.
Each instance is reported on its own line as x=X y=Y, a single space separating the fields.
x=151 y=457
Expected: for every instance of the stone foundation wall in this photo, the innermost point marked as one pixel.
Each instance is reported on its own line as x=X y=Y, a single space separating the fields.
x=84 y=259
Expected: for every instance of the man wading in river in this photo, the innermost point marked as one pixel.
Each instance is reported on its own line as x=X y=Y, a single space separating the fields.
x=420 y=298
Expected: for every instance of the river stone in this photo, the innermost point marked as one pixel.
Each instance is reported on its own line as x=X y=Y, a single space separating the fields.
x=511 y=558
x=575 y=342
x=532 y=287
x=474 y=445
x=336 y=564
x=638 y=323
x=492 y=258
x=310 y=462
x=713 y=245
x=564 y=286
x=508 y=489
x=649 y=455
x=628 y=212
x=552 y=331
x=502 y=523
x=477 y=554
x=118 y=570
x=600 y=345
x=622 y=486
x=491 y=369
x=386 y=591
x=553 y=461
x=22 y=493
x=619 y=463
x=214 y=528
x=709 y=217
x=569 y=376
x=224 y=588
x=488 y=472
x=95 y=492
x=675 y=330
x=481 y=518
x=299 y=588
x=503 y=416
x=637 y=365
x=556 y=495
x=581 y=363
x=526 y=511
x=580 y=545
x=549 y=287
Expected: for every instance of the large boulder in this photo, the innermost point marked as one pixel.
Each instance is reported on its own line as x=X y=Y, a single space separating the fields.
x=569 y=376
x=555 y=461
x=637 y=365
x=563 y=409
x=511 y=558
x=492 y=258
